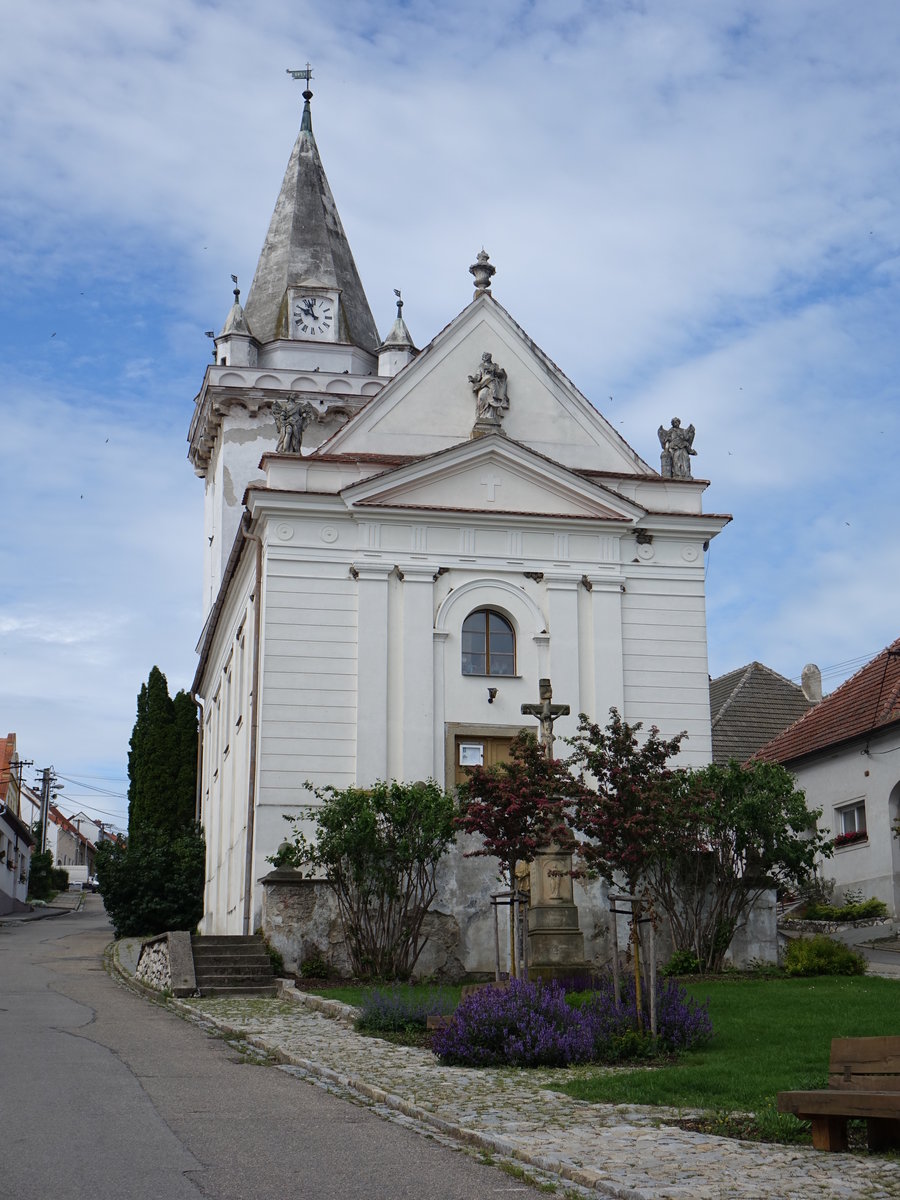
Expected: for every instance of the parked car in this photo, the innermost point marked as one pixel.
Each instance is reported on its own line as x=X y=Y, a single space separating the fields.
x=92 y=885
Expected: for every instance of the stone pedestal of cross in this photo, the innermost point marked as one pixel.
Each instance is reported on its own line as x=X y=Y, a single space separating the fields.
x=555 y=941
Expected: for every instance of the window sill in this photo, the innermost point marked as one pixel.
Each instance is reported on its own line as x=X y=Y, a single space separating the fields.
x=864 y=841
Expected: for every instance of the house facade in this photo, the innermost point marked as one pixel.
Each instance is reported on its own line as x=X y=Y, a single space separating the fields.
x=16 y=841
x=400 y=544
x=845 y=755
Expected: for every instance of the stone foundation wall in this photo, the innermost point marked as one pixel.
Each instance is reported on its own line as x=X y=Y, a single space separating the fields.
x=153 y=964
x=300 y=919
x=832 y=927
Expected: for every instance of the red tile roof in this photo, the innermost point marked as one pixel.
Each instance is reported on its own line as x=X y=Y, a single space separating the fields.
x=869 y=700
x=7 y=753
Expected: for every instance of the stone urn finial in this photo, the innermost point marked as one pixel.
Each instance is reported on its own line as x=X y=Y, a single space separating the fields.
x=482 y=269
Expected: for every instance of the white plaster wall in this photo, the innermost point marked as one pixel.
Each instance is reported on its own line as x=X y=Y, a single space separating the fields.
x=666 y=674
x=867 y=771
x=224 y=781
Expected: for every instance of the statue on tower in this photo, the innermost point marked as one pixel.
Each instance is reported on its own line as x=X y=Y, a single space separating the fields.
x=292 y=416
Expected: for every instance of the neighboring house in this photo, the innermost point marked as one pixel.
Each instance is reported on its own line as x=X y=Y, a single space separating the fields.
x=16 y=841
x=845 y=754
x=752 y=704
x=71 y=848
x=460 y=523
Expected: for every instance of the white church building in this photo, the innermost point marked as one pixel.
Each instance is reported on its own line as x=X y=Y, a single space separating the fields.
x=400 y=544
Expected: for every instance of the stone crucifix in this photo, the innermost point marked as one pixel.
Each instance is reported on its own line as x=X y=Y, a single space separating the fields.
x=546 y=713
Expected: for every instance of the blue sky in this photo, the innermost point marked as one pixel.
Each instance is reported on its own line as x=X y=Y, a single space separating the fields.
x=691 y=207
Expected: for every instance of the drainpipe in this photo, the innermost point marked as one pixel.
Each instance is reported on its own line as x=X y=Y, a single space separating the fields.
x=198 y=786
x=254 y=725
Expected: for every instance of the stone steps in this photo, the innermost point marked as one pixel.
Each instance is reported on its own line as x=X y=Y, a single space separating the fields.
x=232 y=966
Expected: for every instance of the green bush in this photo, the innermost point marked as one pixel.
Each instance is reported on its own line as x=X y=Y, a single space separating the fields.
x=59 y=879
x=155 y=887
x=851 y=911
x=314 y=966
x=682 y=962
x=820 y=955
x=40 y=876
x=378 y=849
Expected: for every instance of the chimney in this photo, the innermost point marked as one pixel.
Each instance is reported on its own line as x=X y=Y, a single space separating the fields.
x=811 y=682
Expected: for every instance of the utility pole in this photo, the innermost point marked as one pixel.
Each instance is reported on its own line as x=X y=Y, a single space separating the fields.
x=45 y=805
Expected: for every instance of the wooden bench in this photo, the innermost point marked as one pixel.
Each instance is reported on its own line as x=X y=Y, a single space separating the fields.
x=863 y=1083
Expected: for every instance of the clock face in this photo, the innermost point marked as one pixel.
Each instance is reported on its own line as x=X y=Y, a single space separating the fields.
x=313 y=316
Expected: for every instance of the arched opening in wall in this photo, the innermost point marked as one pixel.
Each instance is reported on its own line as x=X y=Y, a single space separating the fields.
x=488 y=644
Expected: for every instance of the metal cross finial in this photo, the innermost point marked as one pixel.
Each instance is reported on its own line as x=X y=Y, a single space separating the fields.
x=546 y=714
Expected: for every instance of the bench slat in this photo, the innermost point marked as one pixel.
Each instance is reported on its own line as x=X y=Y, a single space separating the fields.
x=868 y=1053
x=840 y=1102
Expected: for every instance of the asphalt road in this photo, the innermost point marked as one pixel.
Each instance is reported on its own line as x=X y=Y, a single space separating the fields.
x=105 y=1096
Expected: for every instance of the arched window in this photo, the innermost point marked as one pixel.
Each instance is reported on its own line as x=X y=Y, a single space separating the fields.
x=488 y=644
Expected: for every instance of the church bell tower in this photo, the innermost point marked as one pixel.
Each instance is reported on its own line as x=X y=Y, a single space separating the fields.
x=306 y=333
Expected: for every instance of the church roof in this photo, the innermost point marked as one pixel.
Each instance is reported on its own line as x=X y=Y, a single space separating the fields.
x=748 y=707
x=306 y=244
x=868 y=701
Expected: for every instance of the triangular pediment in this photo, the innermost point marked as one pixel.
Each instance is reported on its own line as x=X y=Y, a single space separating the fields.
x=491 y=475
x=430 y=404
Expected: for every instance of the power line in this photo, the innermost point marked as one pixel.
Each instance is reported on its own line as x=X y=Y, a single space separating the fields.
x=92 y=787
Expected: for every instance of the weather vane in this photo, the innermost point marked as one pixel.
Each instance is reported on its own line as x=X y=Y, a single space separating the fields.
x=306 y=74
x=399 y=301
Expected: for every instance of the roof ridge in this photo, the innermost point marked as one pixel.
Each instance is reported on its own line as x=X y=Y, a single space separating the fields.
x=745 y=673
x=819 y=714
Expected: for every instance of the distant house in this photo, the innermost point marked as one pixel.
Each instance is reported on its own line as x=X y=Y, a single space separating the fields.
x=845 y=754
x=71 y=848
x=16 y=841
x=751 y=705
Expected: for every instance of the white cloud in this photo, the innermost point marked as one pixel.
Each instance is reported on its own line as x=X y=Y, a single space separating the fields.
x=691 y=208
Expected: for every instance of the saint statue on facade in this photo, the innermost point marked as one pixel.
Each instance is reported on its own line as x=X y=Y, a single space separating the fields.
x=490 y=387
x=677 y=447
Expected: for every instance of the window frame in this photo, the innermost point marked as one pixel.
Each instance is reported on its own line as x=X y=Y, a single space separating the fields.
x=487 y=612
x=859 y=832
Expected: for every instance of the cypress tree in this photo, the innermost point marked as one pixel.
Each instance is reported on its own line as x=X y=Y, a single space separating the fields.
x=162 y=764
x=155 y=882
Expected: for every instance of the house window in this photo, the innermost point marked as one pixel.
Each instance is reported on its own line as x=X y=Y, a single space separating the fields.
x=851 y=823
x=488 y=644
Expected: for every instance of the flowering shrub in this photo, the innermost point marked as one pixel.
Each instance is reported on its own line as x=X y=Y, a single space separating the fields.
x=403 y=1008
x=524 y=1025
x=532 y=1025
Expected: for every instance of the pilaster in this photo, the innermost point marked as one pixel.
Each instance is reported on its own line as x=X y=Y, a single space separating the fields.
x=372 y=684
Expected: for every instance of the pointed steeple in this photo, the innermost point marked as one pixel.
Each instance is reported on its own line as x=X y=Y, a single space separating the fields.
x=398 y=348
x=306 y=247
x=235 y=322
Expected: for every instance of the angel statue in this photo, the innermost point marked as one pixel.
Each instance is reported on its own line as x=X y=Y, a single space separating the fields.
x=291 y=418
x=677 y=447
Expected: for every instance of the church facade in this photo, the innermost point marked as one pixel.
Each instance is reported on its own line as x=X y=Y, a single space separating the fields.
x=400 y=544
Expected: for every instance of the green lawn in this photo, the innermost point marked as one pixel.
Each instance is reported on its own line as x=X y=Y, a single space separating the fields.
x=769 y=1036
x=354 y=993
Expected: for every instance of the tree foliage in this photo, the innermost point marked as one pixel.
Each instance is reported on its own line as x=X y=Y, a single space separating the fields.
x=517 y=807
x=378 y=849
x=162 y=763
x=621 y=806
x=154 y=887
x=155 y=882
x=730 y=833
